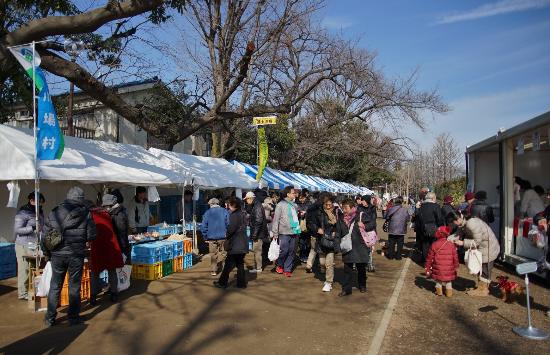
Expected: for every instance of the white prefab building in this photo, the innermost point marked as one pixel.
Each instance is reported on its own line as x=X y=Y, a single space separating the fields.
x=493 y=164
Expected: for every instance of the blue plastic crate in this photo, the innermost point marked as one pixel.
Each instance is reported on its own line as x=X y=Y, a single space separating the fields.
x=187 y=261
x=149 y=249
x=8 y=271
x=138 y=259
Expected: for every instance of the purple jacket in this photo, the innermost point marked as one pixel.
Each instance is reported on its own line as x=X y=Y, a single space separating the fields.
x=399 y=217
x=25 y=224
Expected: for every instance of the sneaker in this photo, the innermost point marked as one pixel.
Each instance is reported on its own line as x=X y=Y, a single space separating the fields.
x=213 y=273
x=219 y=285
x=327 y=287
x=308 y=270
x=279 y=270
x=48 y=324
x=255 y=271
x=288 y=274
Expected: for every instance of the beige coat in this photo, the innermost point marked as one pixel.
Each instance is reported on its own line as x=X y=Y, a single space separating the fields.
x=478 y=232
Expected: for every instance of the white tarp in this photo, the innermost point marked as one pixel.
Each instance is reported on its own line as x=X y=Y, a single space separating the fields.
x=206 y=172
x=86 y=161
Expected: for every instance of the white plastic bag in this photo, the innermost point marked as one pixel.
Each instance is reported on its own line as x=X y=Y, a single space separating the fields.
x=44 y=285
x=345 y=243
x=123 y=277
x=274 y=250
x=473 y=260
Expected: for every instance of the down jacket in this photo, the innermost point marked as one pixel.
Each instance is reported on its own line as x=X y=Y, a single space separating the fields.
x=25 y=224
x=73 y=218
x=477 y=232
x=442 y=261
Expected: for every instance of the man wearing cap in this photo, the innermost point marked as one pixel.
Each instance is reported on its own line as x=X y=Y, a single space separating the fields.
x=25 y=233
x=139 y=215
x=258 y=229
x=119 y=217
x=214 y=228
x=73 y=220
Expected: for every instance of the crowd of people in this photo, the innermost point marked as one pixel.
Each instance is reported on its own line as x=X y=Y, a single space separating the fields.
x=307 y=227
x=78 y=225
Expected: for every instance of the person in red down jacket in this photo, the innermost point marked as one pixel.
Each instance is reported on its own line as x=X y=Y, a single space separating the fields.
x=442 y=262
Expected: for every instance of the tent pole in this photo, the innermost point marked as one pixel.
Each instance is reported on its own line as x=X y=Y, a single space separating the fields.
x=36 y=174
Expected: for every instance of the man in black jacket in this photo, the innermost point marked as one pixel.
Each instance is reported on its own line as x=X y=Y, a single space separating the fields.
x=258 y=229
x=428 y=219
x=72 y=219
x=481 y=209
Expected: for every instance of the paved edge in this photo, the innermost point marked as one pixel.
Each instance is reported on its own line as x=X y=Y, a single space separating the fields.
x=378 y=338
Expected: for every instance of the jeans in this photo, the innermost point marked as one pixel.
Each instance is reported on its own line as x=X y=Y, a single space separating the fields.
x=231 y=261
x=96 y=286
x=60 y=266
x=312 y=253
x=327 y=260
x=257 y=248
x=217 y=255
x=347 y=283
x=22 y=271
x=287 y=244
x=393 y=241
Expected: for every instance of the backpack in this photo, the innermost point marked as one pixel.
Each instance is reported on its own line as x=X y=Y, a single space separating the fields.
x=54 y=238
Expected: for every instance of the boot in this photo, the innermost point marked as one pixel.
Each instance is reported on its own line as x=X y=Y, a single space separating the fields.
x=439 y=290
x=448 y=292
x=482 y=290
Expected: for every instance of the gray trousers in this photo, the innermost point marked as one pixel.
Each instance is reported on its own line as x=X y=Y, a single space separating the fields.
x=257 y=249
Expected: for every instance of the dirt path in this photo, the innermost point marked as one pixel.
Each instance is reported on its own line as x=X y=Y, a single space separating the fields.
x=423 y=323
x=184 y=313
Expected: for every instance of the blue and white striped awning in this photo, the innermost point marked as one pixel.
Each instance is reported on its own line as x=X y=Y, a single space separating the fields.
x=277 y=179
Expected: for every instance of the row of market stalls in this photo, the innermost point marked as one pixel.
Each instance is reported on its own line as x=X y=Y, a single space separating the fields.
x=94 y=165
x=277 y=179
x=493 y=164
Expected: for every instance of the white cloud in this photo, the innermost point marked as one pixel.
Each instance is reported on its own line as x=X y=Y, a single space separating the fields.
x=494 y=9
x=337 y=22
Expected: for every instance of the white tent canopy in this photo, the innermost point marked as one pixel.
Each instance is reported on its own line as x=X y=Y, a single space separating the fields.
x=85 y=161
x=205 y=172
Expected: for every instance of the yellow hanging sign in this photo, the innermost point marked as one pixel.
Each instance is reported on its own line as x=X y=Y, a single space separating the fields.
x=262 y=152
x=259 y=121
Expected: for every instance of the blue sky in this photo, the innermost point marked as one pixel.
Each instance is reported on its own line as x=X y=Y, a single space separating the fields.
x=490 y=60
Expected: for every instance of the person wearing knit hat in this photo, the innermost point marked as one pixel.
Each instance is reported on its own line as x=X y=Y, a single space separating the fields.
x=442 y=262
x=73 y=218
x=448 y=206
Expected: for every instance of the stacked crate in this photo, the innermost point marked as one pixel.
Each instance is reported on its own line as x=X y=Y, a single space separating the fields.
x=155 y=260
x=147 y=261
x=8 y=262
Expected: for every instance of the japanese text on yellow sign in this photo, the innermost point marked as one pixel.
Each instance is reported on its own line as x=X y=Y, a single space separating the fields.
x=264 y=120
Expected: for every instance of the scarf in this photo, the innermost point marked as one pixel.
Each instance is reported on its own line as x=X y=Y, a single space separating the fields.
x=331 y=216
x=348 y=218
